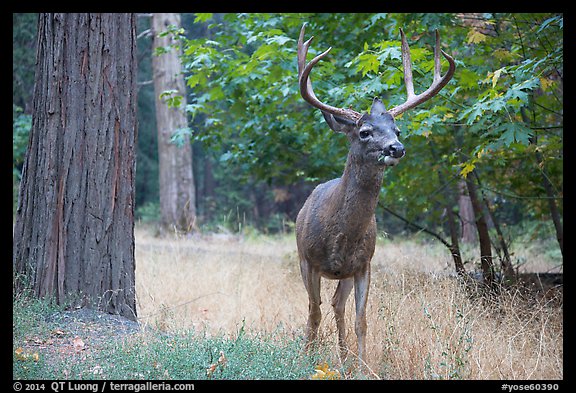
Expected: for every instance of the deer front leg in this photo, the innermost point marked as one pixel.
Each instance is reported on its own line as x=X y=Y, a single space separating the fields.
x=311 y=280
x=361 y=285
x=339 y=304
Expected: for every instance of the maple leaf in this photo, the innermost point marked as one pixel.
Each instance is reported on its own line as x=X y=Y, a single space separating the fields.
x=475 y=37
x=467 y=167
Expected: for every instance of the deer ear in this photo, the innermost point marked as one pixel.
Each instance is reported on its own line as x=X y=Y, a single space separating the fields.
x=337 y=123
x=378 y=108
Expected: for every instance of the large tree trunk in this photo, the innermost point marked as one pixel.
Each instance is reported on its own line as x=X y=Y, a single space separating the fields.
x=177 y=199
x=74 y=230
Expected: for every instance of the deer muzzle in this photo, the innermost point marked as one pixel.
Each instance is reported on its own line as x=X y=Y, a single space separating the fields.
x=392 y=154
x=395 y=150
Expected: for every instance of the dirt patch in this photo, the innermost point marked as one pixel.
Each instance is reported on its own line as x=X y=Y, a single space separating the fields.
x=75 y=334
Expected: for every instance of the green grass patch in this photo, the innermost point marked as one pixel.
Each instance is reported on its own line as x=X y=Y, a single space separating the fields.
x=51 y=343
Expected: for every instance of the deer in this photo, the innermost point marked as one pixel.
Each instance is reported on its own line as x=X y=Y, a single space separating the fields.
x=336 y=226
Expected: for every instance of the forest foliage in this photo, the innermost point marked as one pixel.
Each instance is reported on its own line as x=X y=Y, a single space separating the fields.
x=500 y=117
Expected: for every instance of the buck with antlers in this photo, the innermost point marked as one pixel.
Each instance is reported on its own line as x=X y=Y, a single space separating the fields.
x=336 y=227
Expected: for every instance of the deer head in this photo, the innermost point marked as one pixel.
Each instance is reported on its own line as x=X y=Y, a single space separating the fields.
x=373 y=136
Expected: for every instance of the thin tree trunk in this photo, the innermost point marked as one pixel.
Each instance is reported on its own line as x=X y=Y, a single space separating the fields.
x=177 y=191
x=466 y=213
x=453 y=229
x=453 y=247
x=449 y=205
x=548 y=187
x=483 y=235
x=74 y=230
x=506 y=262
x=554 y=213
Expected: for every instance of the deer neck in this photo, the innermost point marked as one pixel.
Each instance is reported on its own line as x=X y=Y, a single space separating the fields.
x=359 y=192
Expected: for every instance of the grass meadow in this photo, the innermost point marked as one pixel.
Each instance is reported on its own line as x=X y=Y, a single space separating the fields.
x=422 y=323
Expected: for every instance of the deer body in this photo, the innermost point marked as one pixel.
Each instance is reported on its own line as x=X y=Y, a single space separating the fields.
x=336 y=227
x=336 y=238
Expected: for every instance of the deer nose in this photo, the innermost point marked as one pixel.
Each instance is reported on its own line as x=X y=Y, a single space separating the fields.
x=396 y=150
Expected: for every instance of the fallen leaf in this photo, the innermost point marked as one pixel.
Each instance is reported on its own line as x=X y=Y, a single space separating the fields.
x=210 y=370
x=20 y=355
x=78 y=344
x=322 y=371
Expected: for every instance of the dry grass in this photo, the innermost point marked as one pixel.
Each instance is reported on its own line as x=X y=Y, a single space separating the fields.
x=422 y=324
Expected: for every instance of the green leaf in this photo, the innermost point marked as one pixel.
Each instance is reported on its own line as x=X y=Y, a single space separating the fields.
x=514 y=133
x=549 y=21
x=202 y=17
x=367 y=62
x=195 y=79
x=171 y=98
x=216 y=93
x=264 y=51
x=180 y=136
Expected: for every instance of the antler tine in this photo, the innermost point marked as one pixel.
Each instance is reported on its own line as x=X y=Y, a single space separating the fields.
x=302 y=50
x=438 y=83
x=305 y=83
x=437 y=66
x=407 y=63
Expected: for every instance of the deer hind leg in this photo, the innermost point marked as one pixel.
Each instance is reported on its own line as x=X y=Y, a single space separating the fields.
x=339 y=304
x=311 y=280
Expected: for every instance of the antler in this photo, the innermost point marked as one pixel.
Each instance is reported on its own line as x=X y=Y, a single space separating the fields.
x=437 y=84
x=306 y=85
x=412 y=99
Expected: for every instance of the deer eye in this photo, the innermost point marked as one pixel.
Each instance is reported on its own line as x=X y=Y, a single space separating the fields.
x=365 y=132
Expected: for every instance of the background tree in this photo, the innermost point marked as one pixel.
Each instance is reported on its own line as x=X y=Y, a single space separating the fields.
x=73 y=234
x=177 y=191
